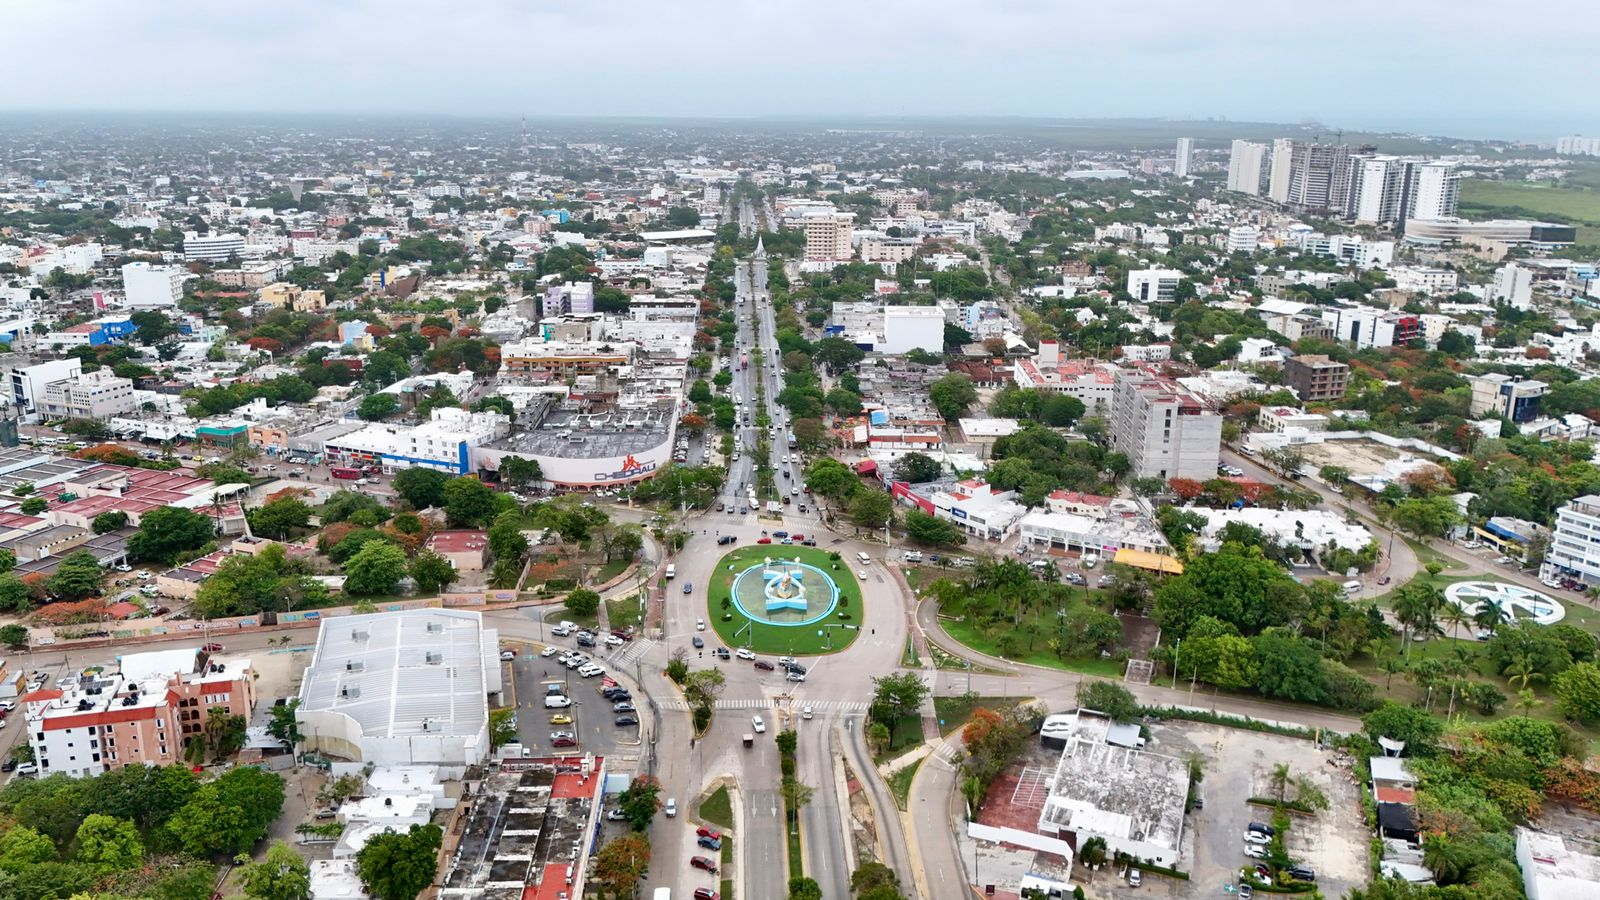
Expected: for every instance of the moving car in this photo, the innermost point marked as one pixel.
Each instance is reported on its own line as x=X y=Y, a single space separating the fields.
x=796 y=676
x=764 y=666
x=507 y=655
x=726 y=539
x=722 y=653
x=688 y=587
x=759 y=725
x=672 y=810
x=699 y=624
x=698 y=642
x=744 y=653
x=614 y=641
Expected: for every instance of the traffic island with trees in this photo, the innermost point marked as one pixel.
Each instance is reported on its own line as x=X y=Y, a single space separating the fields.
x=837 y=631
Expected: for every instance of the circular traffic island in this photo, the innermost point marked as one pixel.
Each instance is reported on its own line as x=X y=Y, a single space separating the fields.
x=784 y=599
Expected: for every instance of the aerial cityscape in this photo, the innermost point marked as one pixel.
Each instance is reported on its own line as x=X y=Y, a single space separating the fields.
x=682 y=492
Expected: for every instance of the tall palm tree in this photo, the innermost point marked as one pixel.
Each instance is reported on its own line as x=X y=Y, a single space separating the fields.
x=1279 y=780
x=1490 y=616
x=1454 y=615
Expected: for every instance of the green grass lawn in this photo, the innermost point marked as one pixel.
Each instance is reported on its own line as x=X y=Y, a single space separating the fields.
x=559 y=613
x=900 y=784
x=717 y=808
x=1579 y=205
x=609 y=571
x=905 y=733
x=1035 y=629
x=797 y=857
x=740 y=631
x=1426 y=554
x=623 y=612
x=953 y=712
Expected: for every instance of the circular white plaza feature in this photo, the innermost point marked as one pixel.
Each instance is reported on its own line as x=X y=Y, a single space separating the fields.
x=1519 y=602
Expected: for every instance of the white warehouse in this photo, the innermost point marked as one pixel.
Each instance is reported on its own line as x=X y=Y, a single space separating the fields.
x=402 y=688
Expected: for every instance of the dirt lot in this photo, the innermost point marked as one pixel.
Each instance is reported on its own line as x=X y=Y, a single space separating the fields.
x=1238 y=765
x=1360 y=457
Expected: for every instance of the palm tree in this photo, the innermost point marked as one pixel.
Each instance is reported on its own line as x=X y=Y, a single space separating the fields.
x=1391 y=667
x=1279 y=781
x=1522 y=669
x=1454 y=615
x=1527 y=701
x=1416 y=606
x=1490 y=616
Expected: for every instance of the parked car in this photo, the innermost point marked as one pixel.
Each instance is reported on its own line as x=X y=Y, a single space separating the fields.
x=710 y=843
x=1135 y=877
x=796 y=676
x=1303 y=873
x=27 y=769
x=704 y=831
x=614 y=641
x=1263 y=828
x=1256 y=837
x=704 y=862
x=212 y=648
x=622 y=706
x=507 y=655
x=627 y=720
x=560 y=719
x=615 y=815
x=704 y=893
x=1246 y=891
x=1255 y=851
x=567 y=741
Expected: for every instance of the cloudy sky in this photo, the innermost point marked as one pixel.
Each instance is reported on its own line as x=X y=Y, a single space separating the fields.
x=1462 y=67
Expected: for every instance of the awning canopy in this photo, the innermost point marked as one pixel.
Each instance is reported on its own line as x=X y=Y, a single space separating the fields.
x=1144 y=559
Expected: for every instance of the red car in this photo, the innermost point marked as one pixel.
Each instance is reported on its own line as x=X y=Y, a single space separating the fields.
x=212 y=648
x=706 y=894
x=797 y=538
x=765 y=540
x=712 y=833
x=564 y=742
x=704 y=862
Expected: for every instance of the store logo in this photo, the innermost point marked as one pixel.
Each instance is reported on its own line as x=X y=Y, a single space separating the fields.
x=630 y=468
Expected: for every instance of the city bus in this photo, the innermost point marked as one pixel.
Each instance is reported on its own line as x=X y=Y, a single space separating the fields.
x=345 y=472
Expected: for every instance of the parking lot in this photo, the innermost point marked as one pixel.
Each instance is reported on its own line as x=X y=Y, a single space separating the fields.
x=1238 y=765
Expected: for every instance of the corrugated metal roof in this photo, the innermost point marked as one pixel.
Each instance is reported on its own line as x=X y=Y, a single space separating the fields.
x=409 y=672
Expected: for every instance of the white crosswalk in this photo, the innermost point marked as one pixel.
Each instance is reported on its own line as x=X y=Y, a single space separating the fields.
x=627 y=653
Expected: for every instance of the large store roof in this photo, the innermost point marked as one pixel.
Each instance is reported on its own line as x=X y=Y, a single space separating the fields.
x=409 y=672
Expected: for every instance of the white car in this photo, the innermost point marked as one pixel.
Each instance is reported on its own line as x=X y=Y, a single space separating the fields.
x=1256 y=837
x=699 y=624
x=758 y=725
x=507 y=655
x=549 y=651
x=614 y=641
x=743 y=653
x=561 y=630
x=591 y=671
x=1255 y=851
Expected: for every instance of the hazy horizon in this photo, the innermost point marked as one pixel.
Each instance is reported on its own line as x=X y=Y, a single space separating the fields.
x=1458 y=69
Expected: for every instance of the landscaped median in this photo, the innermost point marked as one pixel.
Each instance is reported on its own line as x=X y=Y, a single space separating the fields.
x=805 y=603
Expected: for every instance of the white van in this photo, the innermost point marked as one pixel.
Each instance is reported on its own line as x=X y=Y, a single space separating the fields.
x=672 y=571
x=1352 y=588
x=556 y=701
x=864 y=558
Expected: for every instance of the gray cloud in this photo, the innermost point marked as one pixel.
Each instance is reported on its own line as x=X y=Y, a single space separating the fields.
x=1464 y=66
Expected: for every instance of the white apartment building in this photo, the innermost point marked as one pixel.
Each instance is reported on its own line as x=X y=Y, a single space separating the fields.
x=1242 y=239
x=1180 y=162
x=828 y=237
x=1575 y=545
x=1245 y=164
x=1512 y=284
x=1435 y=191
x=1423 y=280
x=212 y=247
x=1154 y=285
x=1165 y=430
x=905 y=327
x=1279 y=178
x=1357 y=251
x=1377 y=190
x=28 y=383
x=90 y=395
x=146 y=287
x=889 y=249
x=446 y=442
x=1576 y=145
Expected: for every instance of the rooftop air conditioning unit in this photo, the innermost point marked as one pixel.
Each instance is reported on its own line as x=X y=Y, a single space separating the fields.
x=433 y=659
x=435 y=627
x=355 y=665
x=359 y=635
x=350 y=693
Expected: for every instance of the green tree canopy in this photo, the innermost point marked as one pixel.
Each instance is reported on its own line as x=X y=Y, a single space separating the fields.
x=375 y=569
x=398 y=866
x=168 y=532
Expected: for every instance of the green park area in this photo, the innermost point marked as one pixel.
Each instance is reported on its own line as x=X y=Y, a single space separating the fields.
x=834 y=632
x=1577 y=203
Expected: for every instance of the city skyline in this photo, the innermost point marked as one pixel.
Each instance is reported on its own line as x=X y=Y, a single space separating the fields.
x=737 y=61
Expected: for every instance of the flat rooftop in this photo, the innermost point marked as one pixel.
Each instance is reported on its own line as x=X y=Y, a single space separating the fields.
x=575 y=434
x=1105 y=789
x=530 y=821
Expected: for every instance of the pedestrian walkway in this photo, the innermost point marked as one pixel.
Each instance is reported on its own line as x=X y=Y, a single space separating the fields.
x=630 y=652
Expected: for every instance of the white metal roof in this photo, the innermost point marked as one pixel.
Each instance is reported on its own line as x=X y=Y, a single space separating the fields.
x=408 y=672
